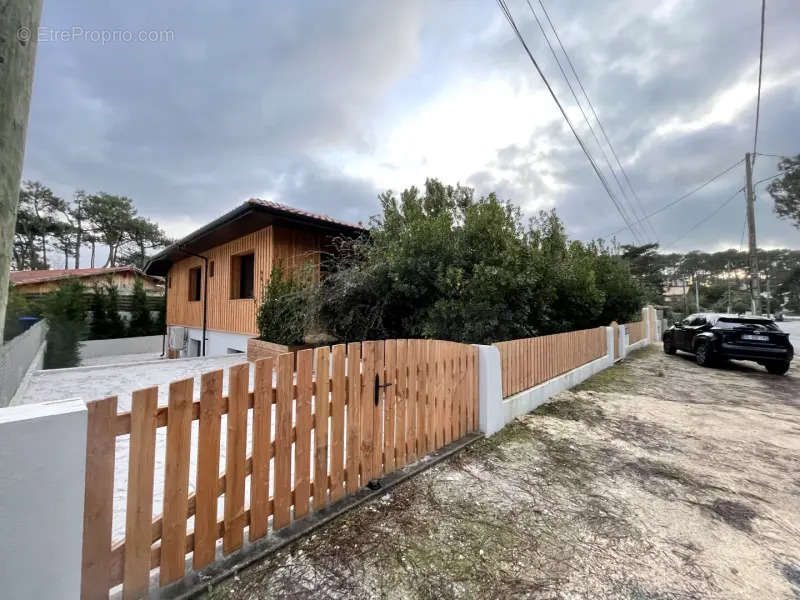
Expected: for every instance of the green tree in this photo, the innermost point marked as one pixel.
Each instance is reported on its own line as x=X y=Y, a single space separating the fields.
x=98 y=308
x=141 y=323
x=111 y=218
x=284 y=311
x=785 y=191
x=117 y=328
x=65 y=310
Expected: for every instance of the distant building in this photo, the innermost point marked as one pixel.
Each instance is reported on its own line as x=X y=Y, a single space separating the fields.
x=46 y=281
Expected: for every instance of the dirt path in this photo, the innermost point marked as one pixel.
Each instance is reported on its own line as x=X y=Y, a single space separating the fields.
x=655 y=479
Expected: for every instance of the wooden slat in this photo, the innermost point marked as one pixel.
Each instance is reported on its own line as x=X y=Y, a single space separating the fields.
x=412 y=431
x=98 y=498
x=353 y=415
x=176 y=481
x=449 y=393
x=401 y=403
x=475 y=391
x=338 y=396
x=205 y=521
x=389 y=410
x=377 y=410
x=283 y=442
x=428 y=367
x=369 y=350
x=302 y=446
x=235 y=455
x=139 y=510
x=321 y=428
x=262 y=448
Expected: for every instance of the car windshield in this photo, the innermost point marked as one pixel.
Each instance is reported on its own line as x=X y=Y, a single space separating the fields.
x=733 y=323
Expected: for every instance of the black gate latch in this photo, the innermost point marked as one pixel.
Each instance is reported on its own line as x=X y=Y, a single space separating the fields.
x=378 y=386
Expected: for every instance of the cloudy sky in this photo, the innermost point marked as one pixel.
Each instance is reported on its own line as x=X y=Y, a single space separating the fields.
x=324 y=105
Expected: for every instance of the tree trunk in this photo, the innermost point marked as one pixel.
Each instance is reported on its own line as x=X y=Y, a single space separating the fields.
x=78 y=238
x=91 y=263
x=19 y=24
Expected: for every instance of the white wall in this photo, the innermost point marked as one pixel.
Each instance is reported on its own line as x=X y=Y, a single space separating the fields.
x=118 y=346
x=42 y=478
x=218 y=343
x=16 y=358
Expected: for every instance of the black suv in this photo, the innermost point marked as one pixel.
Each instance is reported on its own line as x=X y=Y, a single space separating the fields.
x=713 y=337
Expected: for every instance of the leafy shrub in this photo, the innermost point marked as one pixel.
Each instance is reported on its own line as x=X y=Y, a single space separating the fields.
x=65 y=310
x=283 y=316
x=107 y=323
x=443 y=264
x=141 y=322
x=18 y=306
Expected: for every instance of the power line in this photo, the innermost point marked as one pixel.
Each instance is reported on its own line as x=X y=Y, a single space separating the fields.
x=688 y=194
x=583 y=113
x=597 y=118
x=600 y=176
x=760 y=67
x=704 y=219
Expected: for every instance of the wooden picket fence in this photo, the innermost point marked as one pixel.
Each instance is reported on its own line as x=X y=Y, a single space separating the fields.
x=528 y=362
x=345 y=416
x=636 y=331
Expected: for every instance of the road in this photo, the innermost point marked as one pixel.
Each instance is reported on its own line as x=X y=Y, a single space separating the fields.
x=793 y=329
x=654 y=479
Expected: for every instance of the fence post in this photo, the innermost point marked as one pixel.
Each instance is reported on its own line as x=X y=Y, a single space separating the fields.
x=646 y=322
x=42 y=478
x=490 y=390
x=623 y=341
x=610 y=345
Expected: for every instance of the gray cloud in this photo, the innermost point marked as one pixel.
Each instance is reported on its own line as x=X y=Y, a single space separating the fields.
x=254 y=100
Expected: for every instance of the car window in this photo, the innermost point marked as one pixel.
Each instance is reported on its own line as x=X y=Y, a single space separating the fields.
x=699 y=320
x=732 y=323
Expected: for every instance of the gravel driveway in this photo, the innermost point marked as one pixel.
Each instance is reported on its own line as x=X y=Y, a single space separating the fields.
x=655 y=479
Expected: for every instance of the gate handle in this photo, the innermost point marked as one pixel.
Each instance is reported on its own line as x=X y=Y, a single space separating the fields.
x=378 y=386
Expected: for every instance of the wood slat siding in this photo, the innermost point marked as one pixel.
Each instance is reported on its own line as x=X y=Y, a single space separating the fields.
x=529 y=362
x=270 y=246
x=429 y=397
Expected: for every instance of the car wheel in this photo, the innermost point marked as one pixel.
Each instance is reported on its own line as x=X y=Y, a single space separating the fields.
x=777 y=368
x=704 y=354
x=669 y=348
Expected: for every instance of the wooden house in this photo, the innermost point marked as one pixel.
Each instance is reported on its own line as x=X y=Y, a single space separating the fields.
x=36 y=283
x=215 y=276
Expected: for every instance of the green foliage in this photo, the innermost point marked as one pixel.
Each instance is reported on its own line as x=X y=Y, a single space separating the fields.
x=443 y=264
x=18 y=306
x=284 y=311
x=786 y=190
x=65 y=310
x=106 y=321
x=141 y=323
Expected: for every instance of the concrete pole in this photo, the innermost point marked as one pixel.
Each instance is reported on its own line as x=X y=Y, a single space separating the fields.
x=19 y=26
x=755 y=282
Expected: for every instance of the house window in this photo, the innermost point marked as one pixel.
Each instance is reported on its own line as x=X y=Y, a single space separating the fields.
x=211 y=269
x=194 y=284
x=169 y=281
x=242 y=275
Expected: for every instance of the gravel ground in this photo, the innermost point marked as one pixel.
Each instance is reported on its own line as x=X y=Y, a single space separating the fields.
x=656 y=479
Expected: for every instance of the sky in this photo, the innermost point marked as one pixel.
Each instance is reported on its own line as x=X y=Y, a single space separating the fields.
x=190 y=108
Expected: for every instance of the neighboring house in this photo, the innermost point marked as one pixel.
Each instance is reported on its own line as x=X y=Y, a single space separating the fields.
x=235 y=255
x=46 y=281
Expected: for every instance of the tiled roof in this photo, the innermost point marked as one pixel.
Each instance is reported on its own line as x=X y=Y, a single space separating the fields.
x=25 y=277
x=302 y=213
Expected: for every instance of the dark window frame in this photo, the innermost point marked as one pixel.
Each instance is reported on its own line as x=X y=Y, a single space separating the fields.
x=195 y=290
x=243 y=274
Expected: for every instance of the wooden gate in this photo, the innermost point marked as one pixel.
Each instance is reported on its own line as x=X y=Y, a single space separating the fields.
x=345 y=416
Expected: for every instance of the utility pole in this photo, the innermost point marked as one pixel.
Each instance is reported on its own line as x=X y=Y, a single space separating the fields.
x=696 y=293
x=755 y=282
x=19 y=27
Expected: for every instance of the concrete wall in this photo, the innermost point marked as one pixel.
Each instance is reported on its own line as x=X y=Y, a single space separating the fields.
x=218 y=343
x=115 y=347
x=18 y=357
x=42 y=480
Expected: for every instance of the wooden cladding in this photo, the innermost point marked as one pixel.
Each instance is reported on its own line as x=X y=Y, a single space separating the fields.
x=365 y=410
x=232 y=299
x=528 y=362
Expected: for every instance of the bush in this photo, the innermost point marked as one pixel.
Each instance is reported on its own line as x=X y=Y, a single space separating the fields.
x=106 y=323
x=141 y=323
x=283 y=316
x=442 y=264
x=65 y=311
x=18 y=306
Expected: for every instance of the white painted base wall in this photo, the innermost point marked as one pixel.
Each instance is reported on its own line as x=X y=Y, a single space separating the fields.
x=119 y=346
x=218 y=343
x=42 y=474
